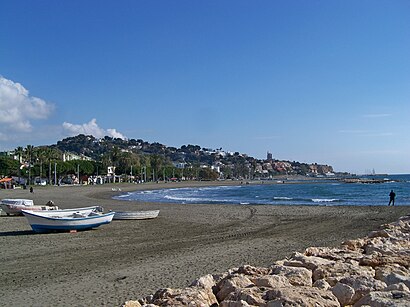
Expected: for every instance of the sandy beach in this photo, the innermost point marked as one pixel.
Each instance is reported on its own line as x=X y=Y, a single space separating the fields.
x=127 y=260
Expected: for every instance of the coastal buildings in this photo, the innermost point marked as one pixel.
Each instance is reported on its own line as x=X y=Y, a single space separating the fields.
x=137 y=160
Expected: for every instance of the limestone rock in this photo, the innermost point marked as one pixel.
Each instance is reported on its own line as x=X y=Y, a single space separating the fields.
x=132 y=304
x=385 y=299
x=335 y=254
x=333 y=273
x=395 y=278
x=271 y=281
x=193 y=296
x=204 y=282
x=252 y=296
x=308 y=262
x=234 y=304
x=300 y=296
x=253 y=271
x=344 y=293
x=362 y=286
x=231 y=284
x=321 y=284
x=371 y=271
x=297 y=276
x=399 y=287
x=354 y=245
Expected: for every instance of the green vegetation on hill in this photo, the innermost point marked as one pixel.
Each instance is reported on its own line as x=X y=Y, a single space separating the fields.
x=88 y=156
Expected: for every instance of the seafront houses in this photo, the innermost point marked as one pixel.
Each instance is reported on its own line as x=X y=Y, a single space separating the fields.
x=137 y=160
x=179 y=165
x=318 y=169
x=69 y=156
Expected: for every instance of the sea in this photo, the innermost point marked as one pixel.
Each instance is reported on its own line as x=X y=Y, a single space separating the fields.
x=289 y=192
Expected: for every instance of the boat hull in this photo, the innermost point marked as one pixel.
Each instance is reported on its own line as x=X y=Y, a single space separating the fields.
x=41 y=224
x=135 y=215
x=15 y=206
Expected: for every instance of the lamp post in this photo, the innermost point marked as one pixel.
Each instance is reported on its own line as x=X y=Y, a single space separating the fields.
x=55 y=173
x=145 y=173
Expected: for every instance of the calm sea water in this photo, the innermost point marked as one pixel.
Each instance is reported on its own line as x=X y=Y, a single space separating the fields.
x=319 y=193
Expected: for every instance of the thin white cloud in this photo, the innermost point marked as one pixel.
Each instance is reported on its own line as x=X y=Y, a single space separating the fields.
x=377 y=134
x=366 y=133
x=90 y=128
x=18 y=108
x=377 y=115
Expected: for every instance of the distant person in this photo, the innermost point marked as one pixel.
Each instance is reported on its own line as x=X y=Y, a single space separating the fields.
x=392 y=197
x=31 y=190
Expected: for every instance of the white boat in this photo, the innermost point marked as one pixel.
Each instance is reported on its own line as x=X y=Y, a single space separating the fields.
x=135 y=215
x=65 y=220
x=69 y=212
x=13 y=206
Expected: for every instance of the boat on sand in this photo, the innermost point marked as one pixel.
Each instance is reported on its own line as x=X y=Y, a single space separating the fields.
x=67 y=220
x=70 y=212
x=14 y=206
x=135 y=215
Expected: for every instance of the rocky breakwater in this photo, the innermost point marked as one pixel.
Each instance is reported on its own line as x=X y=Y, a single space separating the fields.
x=372 y=271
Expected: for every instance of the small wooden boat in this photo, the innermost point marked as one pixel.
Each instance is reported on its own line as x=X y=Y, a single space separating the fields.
x=135 y=215
x=13 y=206
x=65 y=220
x=70 y=212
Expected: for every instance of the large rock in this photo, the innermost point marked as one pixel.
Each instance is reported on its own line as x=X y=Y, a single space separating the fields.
x=333 y=273
x=344 y=293
x=252 y=271
x=308 y=262
x=192 y=296
x=234 y=304
x=362 y=286
x=300 y=296
x=132 y=304
x=297 y=276
x=270 y=281
x=231 y=284
x=385 y=299
x=322 y=284
x=252 y=296
x=336 y=254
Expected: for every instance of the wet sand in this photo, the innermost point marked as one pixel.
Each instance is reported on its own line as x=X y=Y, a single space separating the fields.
x=130 y=259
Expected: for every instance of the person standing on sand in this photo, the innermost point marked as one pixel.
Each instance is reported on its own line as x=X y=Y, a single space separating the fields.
x=392 y=196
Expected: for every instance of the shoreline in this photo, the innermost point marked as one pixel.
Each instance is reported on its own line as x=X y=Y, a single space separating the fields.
x=127 y=260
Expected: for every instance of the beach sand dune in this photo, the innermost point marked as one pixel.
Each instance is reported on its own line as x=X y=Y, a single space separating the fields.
x=130 y=259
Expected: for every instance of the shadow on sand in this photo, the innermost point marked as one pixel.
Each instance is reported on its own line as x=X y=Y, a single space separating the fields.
x=16 y=233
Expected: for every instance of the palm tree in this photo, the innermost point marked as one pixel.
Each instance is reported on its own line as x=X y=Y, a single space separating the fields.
x=40 y=153
x=29 y=154
x=19 y=151
x=50 y=154
x=156 y=163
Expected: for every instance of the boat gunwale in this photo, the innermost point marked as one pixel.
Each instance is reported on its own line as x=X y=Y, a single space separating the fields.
x=33 y=214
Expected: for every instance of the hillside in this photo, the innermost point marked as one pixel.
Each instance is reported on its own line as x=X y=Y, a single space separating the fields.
x=232 y=164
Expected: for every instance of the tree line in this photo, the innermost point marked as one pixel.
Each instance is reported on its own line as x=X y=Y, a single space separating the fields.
x=47 y=162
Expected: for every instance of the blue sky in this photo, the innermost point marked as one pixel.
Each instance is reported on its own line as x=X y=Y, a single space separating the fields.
x=311 y=81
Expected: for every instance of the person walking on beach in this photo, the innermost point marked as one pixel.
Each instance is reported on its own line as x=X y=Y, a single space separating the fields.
x=392 y=196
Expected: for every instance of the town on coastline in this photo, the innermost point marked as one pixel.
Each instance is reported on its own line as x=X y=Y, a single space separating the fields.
x=84 y=159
